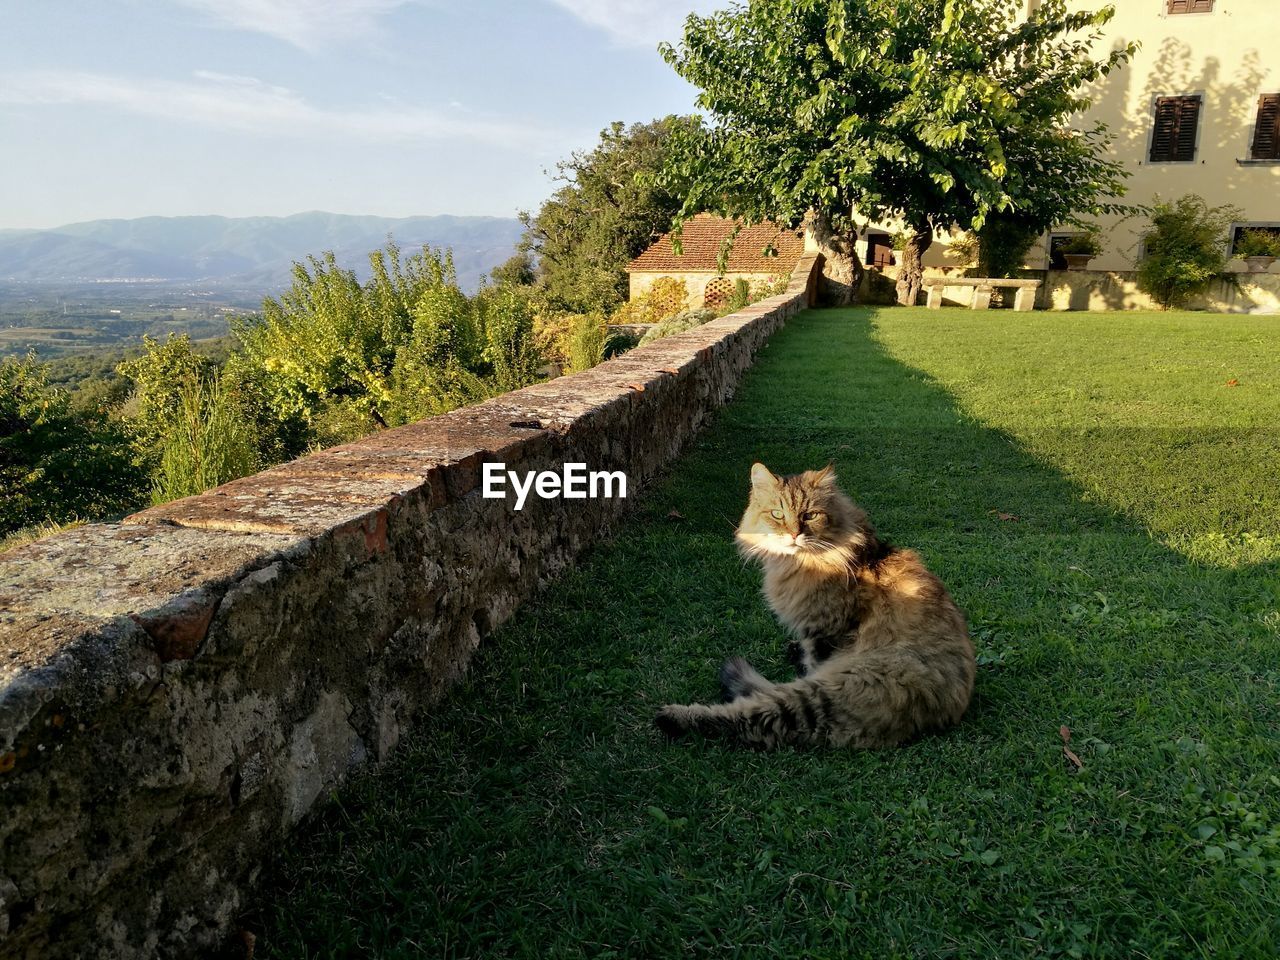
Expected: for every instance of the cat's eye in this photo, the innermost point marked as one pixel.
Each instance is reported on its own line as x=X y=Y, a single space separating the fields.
x=777 y=515
x=811 y=515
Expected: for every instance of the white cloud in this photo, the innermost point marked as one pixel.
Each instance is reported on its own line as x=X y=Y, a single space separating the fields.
x=308 y=24
x=246 y=104
x=639 y=23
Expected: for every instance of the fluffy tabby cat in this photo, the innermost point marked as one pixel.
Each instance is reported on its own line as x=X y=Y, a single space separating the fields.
x=882 y=652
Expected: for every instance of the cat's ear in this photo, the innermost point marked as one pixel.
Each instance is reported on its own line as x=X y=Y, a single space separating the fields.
x=826 y=477
x=761 y=478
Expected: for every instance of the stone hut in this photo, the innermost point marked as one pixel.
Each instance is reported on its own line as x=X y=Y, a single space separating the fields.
x=762 y=253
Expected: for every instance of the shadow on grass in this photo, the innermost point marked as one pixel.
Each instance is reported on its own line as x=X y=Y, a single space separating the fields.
x=537 y=814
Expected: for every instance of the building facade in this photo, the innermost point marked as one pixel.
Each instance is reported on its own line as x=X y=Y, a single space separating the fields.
x=1197 y=110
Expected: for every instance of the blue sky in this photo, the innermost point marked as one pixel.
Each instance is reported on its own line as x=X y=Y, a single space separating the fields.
x=269 y=107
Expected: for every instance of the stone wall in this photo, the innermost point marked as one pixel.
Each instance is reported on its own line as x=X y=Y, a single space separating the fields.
x=1247 y=292
x=1118 y=290
x=178 y=689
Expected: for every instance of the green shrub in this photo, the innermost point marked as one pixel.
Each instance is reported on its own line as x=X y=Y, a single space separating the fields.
x=1186 y=247
x=510 y=349
x=741 y=296
x=618 y=343
x=208 y=442
x=665 y=298
x=586 y=343
x=576 y=341
x=964 y=248
x=156 y=378
x=678 y=324
x=59 y=464
x=1087 y=244
x=344 y=358
x=1003 y=244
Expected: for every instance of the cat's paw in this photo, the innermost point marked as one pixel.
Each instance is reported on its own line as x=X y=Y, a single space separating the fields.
x=670 y=721
x=796 y=655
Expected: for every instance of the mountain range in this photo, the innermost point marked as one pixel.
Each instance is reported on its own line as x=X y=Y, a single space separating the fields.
x=245 y=252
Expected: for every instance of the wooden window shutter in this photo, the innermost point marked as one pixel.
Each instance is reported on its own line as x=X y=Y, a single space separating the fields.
x=1176 y=122
x=1191 y=6
x=1266 y=135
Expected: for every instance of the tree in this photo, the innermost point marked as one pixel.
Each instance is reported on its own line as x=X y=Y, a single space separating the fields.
x=57 y=463
x=157 y=377
x=610 y=208
x=1185 y=248
x=516 y=271
x=326 y=349
x=937 y=113
x=345 y=358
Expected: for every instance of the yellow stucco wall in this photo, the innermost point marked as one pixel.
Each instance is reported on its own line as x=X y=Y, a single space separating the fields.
x=695 y=283
x=1107 y=290
x=1231 y=56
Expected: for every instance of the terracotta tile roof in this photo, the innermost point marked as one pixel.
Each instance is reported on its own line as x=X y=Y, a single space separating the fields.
x=703 y=235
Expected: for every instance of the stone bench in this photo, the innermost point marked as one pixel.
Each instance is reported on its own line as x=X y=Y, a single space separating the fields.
x=1024 y=300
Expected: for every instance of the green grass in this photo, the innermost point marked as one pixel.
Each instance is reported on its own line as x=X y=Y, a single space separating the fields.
x=1134 y=600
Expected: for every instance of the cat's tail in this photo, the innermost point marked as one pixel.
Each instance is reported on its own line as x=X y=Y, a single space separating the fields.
x=867 y=700
x=788 y=713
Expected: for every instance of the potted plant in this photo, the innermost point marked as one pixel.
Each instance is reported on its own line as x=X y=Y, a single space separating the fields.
x=1258 y=248
x=1080 y=248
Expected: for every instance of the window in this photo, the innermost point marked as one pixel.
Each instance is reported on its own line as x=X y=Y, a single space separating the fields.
x=1058 y=256
x=1238 y=232
x=1266 y=133
x=1190 y=6
x=1177 y=123
x=880 y=250
x=717 y=293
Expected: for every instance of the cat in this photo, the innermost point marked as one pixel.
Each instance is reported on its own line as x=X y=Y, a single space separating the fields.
x=882 y=652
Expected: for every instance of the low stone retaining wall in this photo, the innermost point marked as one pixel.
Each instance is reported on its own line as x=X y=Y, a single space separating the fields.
x=1103 y=290
x=1117 y=290
x=177 y=690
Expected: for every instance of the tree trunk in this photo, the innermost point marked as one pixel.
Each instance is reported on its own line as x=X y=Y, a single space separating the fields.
x=911 y=270
x=842 y=271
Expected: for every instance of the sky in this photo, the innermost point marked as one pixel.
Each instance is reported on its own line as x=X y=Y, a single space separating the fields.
x=133 y=108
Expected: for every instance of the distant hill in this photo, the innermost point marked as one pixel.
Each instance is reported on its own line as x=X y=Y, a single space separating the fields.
x=246 y=252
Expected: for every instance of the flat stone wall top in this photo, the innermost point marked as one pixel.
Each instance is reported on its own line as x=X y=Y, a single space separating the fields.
x=177 y=689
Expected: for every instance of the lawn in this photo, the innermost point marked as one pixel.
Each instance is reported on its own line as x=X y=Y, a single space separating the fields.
x=1103 y=505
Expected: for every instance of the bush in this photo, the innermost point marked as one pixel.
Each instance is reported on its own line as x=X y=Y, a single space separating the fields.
x=618 y=343
x=586 y=344
x=678 y=324
x=208 y=442
x=156 y=378
x=773 y=287
x=59 y=464
x=741 y=296
x=576 y=341
x=346 y=358
x=551 y=333
x=1087 y=244
x=965 y=247
x=1258 y=243
x=1185 y=249
x=1003 y=244
x=506 y=316
x=667 y=297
